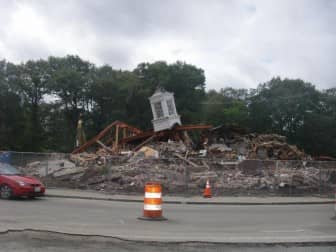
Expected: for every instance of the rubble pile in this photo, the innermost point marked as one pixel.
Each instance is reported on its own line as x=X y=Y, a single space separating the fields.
x=253 y=146
x=177 y=176
x=168 y=149
x=85 y=159
x=234 y=164
x=273 y=146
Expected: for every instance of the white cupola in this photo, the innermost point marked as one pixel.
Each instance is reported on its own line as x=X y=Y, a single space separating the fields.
x=164 y=110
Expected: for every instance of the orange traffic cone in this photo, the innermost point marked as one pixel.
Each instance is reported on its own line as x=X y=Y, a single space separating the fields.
x=207 y=191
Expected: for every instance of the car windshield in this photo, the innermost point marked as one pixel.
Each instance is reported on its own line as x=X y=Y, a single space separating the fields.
x=7 y=169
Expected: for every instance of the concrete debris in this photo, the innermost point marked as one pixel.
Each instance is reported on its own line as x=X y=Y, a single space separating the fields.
x=69 y=171
x=47 y=167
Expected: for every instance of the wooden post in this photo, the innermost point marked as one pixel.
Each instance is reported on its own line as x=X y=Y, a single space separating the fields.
x=116 y=137
x=124 y=136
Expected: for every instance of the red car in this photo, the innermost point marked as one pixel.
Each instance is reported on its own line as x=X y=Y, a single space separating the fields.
x=15 y=184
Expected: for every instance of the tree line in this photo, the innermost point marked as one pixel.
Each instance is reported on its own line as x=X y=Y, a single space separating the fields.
x=41 y=100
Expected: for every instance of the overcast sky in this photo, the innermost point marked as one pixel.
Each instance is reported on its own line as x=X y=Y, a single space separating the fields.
x=238 y=43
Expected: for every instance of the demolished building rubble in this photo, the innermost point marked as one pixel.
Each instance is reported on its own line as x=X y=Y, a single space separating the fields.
x=181 y=169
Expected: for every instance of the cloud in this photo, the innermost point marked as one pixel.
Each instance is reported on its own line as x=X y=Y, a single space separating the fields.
x=238 y=43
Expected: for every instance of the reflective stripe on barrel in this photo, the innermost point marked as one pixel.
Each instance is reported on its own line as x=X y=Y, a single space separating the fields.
x=153 y=200
x=152 y=195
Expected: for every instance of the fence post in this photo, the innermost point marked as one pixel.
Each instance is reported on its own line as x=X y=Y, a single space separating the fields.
x=47 y=167
x=320 y=177
x=186 y=180
x=21 y=159
x=275 y=179
x=291 y=182
x=47 y=171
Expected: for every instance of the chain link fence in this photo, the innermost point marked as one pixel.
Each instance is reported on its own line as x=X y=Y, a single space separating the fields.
x=179 y=176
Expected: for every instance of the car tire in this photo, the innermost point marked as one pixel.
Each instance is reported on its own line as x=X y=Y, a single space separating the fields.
x=6 y=192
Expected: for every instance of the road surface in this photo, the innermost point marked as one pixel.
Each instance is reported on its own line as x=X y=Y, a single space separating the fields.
x=203 y=223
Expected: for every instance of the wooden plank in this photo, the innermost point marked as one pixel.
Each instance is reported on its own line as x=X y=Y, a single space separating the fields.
x=144 y=142
x=186 y=160
x=192 y=127
x=104 y=146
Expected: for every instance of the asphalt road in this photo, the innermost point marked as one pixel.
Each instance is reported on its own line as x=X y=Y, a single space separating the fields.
x=202 y=223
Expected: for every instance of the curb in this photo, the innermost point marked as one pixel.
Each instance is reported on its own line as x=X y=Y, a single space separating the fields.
x=195 y=202
x=256 y=244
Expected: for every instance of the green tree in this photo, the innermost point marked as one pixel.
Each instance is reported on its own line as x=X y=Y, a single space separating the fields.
x=28 y=81
x=70 y=83
x=280 y=105
x=111 y=95
x=228 y=106
x=11 y=113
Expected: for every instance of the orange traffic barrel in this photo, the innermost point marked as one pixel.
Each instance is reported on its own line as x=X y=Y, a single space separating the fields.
x=152 y=202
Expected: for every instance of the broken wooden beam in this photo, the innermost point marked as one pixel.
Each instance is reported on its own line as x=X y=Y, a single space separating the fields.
x=104 y=146
x=144 y=142
x=192 y=127
x=103 y=133
x=186 y=160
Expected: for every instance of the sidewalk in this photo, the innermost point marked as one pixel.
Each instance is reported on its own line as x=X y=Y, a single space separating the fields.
x=222 y=200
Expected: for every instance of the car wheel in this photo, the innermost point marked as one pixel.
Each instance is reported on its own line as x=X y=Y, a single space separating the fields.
x=5 y=192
